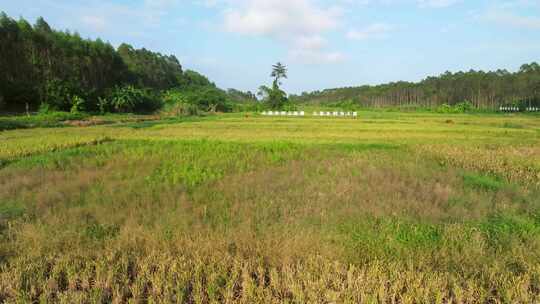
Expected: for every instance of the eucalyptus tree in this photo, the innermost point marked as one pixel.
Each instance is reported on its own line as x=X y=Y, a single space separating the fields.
x=485 y=90
x=43 y=66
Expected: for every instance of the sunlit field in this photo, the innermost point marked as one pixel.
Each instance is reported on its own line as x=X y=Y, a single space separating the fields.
x=390 y=207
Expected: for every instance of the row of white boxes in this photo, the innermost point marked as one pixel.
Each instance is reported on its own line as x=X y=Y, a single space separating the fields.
x=342 y=114
x=283 y=113
x=509 y=109
x=302 y=113
x=517 y=109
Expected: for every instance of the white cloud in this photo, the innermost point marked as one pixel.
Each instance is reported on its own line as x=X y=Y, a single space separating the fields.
x=507 y=18
x=373 y=31
x=280 y=18
x=97 y=23
x=437 y=3
x=316 y=57
x=111 y=17
x=161 y=4
x=208 y=3
x=314 y=42
x=419 y=3
x=299 y=24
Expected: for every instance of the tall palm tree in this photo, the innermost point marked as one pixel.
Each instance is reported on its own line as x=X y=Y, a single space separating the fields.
x=279 y=71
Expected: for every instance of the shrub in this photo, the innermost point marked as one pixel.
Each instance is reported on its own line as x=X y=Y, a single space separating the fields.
x=249 y=107
x=485 y=182
x=289 y=106
x=78 y=104
x=57 y=94
x=462 y=107
x=44 y=108
x=128 y=99
x=207 y=98
x=181 y=109
x=346 y=105
x=445 y=108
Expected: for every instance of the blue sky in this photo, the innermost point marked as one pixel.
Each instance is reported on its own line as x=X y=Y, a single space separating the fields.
x=324 y=43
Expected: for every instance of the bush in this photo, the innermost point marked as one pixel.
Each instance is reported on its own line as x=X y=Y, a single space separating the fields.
x=207 y=99
x=445 y=108
x=181 y=109
x=462 y=107
x=128 y=99
x=78 y=104
x=274 y=97
x=249 y=107
x=289 y=106
x=58 y=95
x=346 y=105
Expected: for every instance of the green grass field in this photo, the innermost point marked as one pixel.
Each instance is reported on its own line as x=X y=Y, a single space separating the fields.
x=391 y=207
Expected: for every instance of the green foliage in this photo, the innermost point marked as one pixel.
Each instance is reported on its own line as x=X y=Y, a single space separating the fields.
x=278 y=71
x=502 y=230
x=193 y=100
x=362 y=207
x=10 y=210
x=128 y=99
x=44 y=119
x=445 y=108
x=181 y=108
x=256 y=106
x=65 y=72
x=463 y=107
x=459 y=108
x=191 y=79
x=58 y=95
x=486 y=90
x=241 y=97
x=44 y=108
x=390 y=237
x=346 y=105
x=512 y=125
x=485 y=182
x=146 y=69
x=78 y=105
x=289 y=106
x=100 y=232
x=273 y=97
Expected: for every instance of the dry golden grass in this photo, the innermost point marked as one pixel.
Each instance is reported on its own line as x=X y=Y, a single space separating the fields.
x=393 y=209
x=519 y=164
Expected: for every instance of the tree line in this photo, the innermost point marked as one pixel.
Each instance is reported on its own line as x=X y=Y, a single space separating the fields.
x=46 y=68
x=484 y=90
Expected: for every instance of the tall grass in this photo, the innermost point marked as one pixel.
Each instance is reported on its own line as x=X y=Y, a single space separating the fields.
x=170 y=213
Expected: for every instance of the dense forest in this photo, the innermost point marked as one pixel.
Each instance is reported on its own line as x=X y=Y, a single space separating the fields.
x=43 y=68
x=484 y=90
x=58 y=70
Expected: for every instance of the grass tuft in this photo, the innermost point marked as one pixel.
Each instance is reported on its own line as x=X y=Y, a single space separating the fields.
x=485 y=182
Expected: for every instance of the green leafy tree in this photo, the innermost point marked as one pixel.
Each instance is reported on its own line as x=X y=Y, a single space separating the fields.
x=44 y=67
x=274 y=96
x=127 y=99
x=278 y=71
x=483 y=90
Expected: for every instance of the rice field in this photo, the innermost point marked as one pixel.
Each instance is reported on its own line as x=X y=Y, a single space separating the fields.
x=387 y=208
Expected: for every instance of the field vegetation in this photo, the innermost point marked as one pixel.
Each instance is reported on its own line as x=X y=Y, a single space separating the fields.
x=391 y=207
x=126 y=179
x=50 y=70
x=483 y=90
